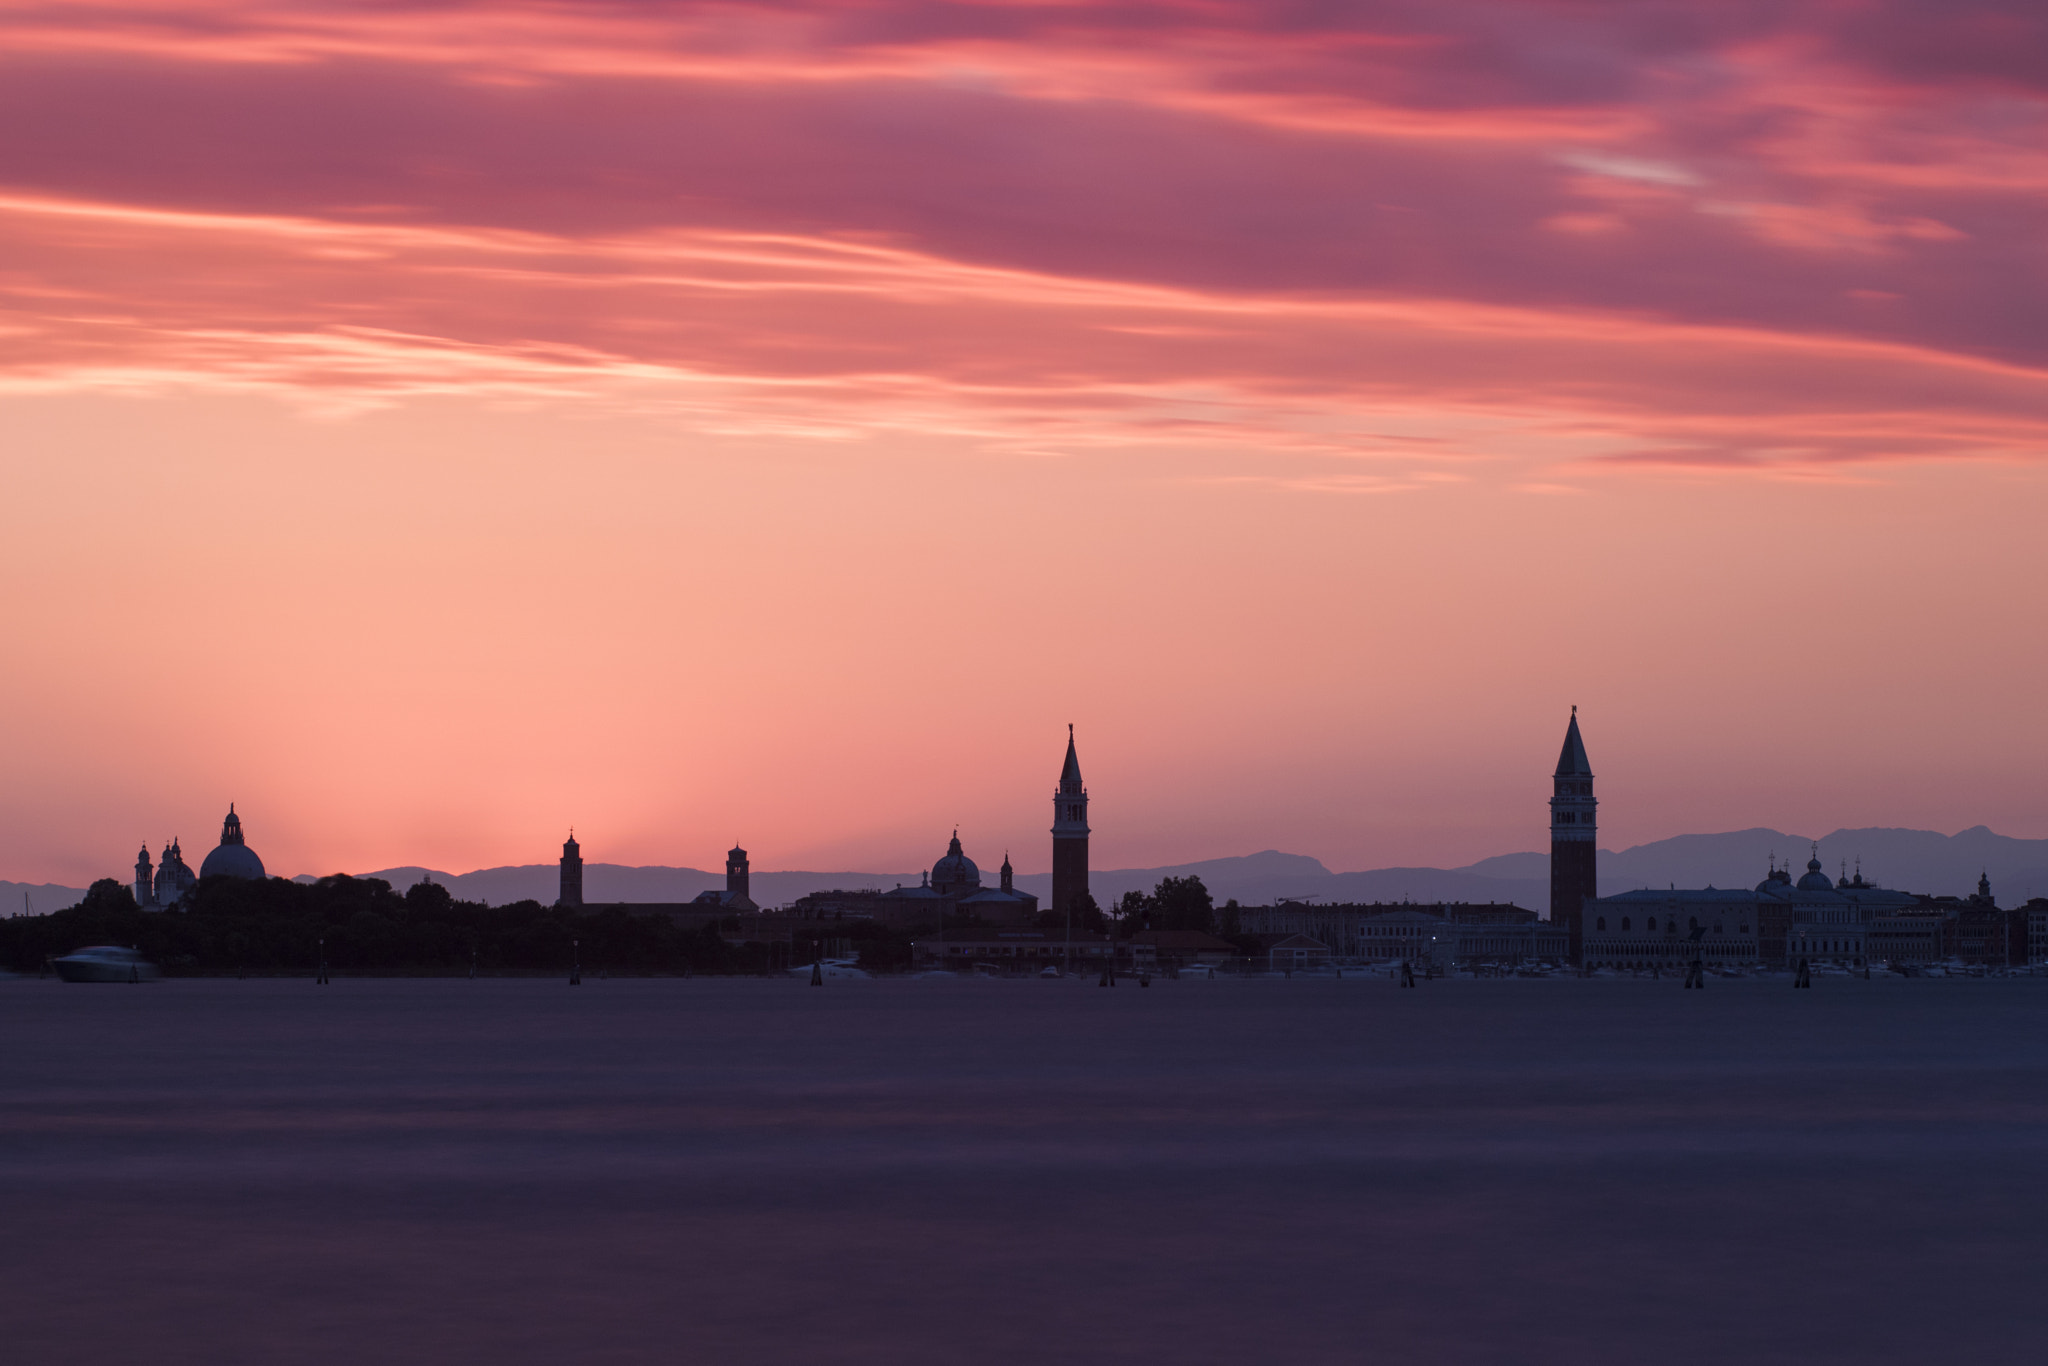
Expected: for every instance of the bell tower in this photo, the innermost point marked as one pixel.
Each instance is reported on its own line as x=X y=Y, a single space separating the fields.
x=145 y=880
x=736 y=872
x=1070 y=837
x=572 y=872
x=1573 y=843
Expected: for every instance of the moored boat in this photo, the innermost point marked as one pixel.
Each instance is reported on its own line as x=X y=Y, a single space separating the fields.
x=105 y=963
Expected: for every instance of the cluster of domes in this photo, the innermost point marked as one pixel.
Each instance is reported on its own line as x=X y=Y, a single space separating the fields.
x=1815 y=880
x=166 y=885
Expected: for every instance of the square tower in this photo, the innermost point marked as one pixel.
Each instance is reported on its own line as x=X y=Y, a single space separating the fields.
x=1574 y=850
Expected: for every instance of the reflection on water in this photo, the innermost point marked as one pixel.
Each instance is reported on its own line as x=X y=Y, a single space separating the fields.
x=913 y=1171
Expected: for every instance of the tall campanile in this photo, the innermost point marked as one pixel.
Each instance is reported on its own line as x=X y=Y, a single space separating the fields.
x=572 y=872
x=1070 y=837
x=1573 y=845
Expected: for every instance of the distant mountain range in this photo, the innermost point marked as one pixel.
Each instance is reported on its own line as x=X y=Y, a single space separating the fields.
x=1911 y=860
x=39 y=898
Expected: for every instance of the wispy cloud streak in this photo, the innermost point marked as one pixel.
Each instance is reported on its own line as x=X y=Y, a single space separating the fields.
x=1731 y=240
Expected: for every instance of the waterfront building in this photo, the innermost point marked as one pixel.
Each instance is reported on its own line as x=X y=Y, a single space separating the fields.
x=1184 y=948
x=1002 y=904
x=1977 y=932
x=907 y=907
x=1574 y=846
x=1779 y=922
x=1463 y=932
x=1643 y=929
x=862 y=903
x=1021 y=949
x=1295 y=953
x=953 y=888
x=1070 y=837
x=738 y=882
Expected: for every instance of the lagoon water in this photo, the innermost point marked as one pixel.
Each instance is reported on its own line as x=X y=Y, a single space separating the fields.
x=1032 y=1171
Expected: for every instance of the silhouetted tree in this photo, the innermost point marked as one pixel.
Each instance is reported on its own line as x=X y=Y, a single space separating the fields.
x=108 y=897
x=1182 y=903
x=428 y=897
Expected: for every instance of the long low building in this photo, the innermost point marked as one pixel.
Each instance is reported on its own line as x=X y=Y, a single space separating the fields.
x=1656 y=929
x=1848 y=922
x=1439 y=932
x=1017 y=950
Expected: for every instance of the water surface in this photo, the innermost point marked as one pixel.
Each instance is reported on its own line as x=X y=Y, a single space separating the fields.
x=927 y=1171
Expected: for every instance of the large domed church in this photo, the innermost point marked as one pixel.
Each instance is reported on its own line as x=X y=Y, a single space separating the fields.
x=166 y=886
x=953 y=887
x=232 y=857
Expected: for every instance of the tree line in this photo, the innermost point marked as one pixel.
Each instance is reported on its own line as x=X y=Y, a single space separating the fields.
x=234 y=925
x=277 y=926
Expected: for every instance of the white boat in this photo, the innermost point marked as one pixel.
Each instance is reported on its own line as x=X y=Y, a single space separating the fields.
x=831 y=968
x=105 y=963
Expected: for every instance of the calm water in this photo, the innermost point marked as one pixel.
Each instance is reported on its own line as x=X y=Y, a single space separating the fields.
x=922 y=1171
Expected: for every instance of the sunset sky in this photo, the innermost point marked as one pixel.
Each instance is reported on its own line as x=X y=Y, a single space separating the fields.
x=430 y=426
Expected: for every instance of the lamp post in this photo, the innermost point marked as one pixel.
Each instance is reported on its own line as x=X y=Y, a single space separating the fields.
x=575 y=962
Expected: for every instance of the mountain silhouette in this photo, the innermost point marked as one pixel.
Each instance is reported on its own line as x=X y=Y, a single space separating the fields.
x=1909 y=860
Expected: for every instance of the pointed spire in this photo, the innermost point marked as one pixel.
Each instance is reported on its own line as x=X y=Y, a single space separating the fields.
x=1070 y=772
x=1571 y=761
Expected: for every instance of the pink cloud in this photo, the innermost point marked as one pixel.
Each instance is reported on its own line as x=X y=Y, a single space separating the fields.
x=1606 y=232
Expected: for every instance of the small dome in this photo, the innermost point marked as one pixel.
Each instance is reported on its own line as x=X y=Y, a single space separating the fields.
x=1815 y=880
x=956 y=871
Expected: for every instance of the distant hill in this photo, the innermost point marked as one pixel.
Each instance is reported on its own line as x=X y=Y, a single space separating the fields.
x=42 y=897
x=619 y=882
x=1910 y=860
x=1255 y=879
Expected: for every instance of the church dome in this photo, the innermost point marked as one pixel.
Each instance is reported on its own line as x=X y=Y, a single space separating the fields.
x=1815 y=880
x=232 y=858
x=956 y=871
